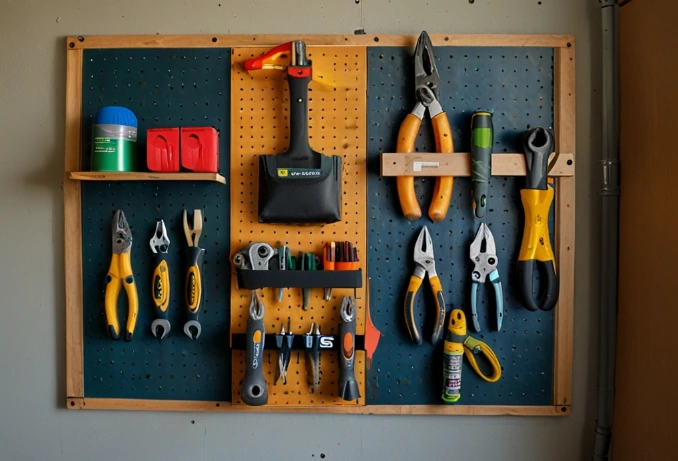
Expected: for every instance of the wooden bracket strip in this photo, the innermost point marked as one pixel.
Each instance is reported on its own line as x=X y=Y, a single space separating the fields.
x=367 y=40
x=75 y=378
x=141 y=176
x=564 y=111
x=195 y=405
x=459 y=164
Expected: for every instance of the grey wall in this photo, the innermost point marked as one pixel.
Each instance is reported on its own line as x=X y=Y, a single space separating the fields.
x=33 y=421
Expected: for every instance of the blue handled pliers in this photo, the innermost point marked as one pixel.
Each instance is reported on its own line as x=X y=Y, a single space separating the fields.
x=485 y=265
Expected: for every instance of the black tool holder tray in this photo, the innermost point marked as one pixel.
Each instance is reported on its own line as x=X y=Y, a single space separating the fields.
x=255 y=279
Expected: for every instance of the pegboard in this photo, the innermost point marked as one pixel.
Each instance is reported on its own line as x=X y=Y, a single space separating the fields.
x=362 y=90
x=337 y=126
x=176 y=87
x=516 y=84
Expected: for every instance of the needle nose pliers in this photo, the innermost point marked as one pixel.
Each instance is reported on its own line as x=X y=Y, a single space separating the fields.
x=425 y=263
x=485 y=265
x=120 y=274
x=427 y=82
x=536 y=245
x=161 y=282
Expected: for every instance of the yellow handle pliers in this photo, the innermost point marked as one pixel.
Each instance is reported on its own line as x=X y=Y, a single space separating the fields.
x=427 y=93
x=120 y=274
x=425 y=263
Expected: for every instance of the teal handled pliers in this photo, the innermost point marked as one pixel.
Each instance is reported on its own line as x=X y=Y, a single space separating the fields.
x=485 y=266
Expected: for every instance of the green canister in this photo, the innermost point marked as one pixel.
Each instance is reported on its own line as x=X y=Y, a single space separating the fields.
x=114 y=140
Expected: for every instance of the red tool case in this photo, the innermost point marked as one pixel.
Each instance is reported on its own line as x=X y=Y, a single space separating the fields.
x=200 y=149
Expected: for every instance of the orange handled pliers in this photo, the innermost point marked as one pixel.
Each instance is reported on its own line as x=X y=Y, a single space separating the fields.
x=427 y=93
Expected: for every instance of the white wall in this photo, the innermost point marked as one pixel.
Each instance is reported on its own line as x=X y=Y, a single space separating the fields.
x=33 y=421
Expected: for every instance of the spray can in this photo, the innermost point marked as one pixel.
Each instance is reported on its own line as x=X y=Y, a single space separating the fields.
x=453 y=356
x=114 y=139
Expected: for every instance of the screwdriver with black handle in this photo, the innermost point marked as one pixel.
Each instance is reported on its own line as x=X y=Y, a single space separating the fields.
x=481 y=160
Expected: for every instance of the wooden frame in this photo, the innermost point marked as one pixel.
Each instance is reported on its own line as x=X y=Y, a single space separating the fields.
x=564 y=108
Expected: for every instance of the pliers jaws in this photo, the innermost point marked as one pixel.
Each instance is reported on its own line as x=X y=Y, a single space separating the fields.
x=427 y=79
x=485 y=265
x=121 y=233
x=160 y=241
x=423 y=255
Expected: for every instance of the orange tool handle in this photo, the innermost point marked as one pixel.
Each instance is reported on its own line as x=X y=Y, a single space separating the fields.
x=406 y=138
x=442 y=193
x=264 y=61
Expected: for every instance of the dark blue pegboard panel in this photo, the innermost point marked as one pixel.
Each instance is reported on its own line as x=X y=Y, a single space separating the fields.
x=168 y=87
x=516 y=85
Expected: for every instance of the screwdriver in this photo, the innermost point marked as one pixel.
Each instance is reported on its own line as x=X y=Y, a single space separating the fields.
x=481 y=160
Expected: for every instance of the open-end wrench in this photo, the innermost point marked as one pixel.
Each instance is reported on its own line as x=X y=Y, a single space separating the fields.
x=254 y=389
x=348 y=386
x=161 y=281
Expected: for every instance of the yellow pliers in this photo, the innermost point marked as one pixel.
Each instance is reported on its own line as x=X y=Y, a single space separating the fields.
x=120 y=273
x=427 y=93
x=425 y=263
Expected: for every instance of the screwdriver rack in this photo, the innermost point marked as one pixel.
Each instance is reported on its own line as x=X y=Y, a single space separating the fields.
x=356 y=107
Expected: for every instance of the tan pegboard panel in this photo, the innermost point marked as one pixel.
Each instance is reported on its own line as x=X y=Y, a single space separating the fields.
x=337 y=126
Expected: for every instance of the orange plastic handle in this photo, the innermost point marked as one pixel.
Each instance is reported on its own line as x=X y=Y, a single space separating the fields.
x=264 y=61
x=442 y=194
x=407 y=135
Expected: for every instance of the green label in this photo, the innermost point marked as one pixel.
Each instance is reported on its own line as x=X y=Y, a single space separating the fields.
x=113 y=154
x=482 y=137
x=298 y=173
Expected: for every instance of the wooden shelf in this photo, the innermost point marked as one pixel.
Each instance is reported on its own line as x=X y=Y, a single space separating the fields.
x=137 y=176
x=459 y=164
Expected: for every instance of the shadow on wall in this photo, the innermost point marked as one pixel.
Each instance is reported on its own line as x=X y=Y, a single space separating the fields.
x=48 y=178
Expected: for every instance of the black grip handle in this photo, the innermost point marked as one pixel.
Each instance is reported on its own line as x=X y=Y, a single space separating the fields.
x=299 y=148
x=538 y=145
x=482 y=140
x=194 y=292
x=312 y=346
x=254 y=388
x=550 y=285
x=348 y=386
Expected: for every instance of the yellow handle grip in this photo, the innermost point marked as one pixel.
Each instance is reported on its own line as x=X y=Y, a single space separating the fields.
x=412 y=288
x=161 y=287
x=472 y=344
x=437 y=289
x=442 y=194
x=132 y=295
x=536 y=242
x=113 y=285
x=119 y=274
x=407 y=135
x=193 y=289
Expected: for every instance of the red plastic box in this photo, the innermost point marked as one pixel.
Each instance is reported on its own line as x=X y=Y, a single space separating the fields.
x=162 y=149
x=200 y=149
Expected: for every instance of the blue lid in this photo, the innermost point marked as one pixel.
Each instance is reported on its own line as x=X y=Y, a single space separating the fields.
x=115 y=115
